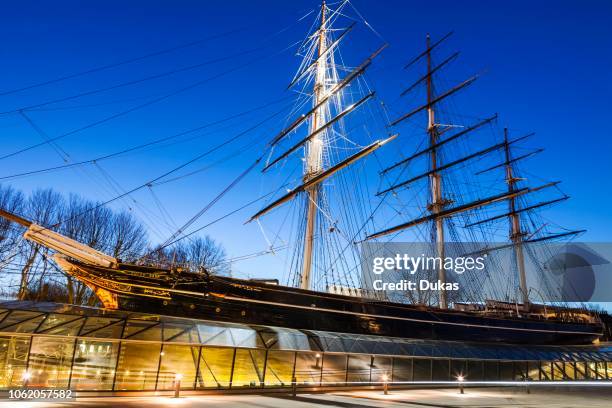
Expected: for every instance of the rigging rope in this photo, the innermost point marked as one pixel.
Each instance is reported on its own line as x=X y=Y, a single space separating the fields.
x=123 y=62
x=209 y=205
x=147 y=144
x=151 y=102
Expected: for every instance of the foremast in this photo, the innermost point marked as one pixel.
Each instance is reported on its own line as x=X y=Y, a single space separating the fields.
x=313 y=153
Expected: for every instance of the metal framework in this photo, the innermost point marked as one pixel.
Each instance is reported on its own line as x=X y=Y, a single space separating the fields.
x=91 y=349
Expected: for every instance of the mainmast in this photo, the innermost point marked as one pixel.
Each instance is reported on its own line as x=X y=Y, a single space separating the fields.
x=437 y=203
x=314 y=154
x=516 y=235
x=323 y=115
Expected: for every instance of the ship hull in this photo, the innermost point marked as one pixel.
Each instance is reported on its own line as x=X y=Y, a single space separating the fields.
x=239 y=301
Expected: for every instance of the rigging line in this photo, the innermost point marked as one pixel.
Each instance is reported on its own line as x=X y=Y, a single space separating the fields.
x=241 y=150
x=151 y=143
x=124 y=62
x=133 y=82
x=94 y=105
x=365 y=22
x=146 y=56
x=66 y=158
x=262 y=197
x=148 y=103
x=115 y=187
x=210 y=204
x=175 y=169
x=58 y=149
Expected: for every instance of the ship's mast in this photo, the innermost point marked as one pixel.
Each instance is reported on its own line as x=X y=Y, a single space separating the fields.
x=437 y=202
x=314 y=153
x=516 y=235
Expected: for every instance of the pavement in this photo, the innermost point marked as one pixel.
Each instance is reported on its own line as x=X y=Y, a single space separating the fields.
x=573 y=397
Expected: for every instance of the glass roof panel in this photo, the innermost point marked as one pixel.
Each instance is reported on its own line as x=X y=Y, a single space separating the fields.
x=22 y=321
x=61 y=324
x=93 y=324
x=137 y=329
x=184 y=333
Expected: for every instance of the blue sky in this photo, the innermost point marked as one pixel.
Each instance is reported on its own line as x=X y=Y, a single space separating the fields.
x=546 y=65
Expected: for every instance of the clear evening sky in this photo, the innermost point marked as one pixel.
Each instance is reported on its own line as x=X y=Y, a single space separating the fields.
x=547 y=68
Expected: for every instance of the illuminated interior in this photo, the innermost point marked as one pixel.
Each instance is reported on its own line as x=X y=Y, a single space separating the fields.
x=59 y=346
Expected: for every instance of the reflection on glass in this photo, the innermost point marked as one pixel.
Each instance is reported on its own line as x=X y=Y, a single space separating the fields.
x=177 y=360
x=22 y=321
x=381 y=369
x=402 y=369
x=359 y=368
x=13 y=360
x=61 y=324
x=546 y=371
x=137 y=368
x=50 y=361
x=215 y=367
x=308 y=368
x=422 y=369
x=475 y=370
x=520 y=370
x=280 y=368
x=440 y=370
x=570 y=370
x=94 y=365
x=558 y=371
x=506 y=371
x=458 y=369
x=534 y=370
x=334 y=369
x=491 y=371
x=248 y=368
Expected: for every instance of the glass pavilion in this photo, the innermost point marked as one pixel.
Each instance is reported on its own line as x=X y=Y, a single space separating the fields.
x=87 y=349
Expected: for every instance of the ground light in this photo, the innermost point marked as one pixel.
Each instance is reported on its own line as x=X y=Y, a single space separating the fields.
x=460 y=379
x=385 y=379
x=26 y=377
x=177 y=384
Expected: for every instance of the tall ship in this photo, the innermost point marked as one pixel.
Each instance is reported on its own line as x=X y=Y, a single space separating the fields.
x=322 y=292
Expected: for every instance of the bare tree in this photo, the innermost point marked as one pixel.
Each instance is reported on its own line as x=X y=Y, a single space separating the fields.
x=128 y=239
x=10 y=234
x=118 y=234
x=196 y=254
x=45 y=208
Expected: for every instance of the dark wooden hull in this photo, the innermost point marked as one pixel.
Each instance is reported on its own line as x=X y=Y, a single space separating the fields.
x=239 y=301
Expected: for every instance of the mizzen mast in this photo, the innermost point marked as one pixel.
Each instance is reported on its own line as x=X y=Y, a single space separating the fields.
x=313 y=153
x=437 y=202
x=516 y=235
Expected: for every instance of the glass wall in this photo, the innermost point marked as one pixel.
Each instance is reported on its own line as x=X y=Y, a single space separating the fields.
x=125 y=364
x=13 y=360
x=249 y=368
x=334 y=368
x=279 y=368
x=402 y=369
x=359 y=368
x=178 y=363
x=215 y=370
x=308 y=368
x=137 y=366
x=50 y=361
x=94 y=365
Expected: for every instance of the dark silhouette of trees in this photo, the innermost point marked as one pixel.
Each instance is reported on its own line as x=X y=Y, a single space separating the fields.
x=117 y=233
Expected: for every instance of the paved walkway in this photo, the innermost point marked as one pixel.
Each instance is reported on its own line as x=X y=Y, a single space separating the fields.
x=597 y=397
